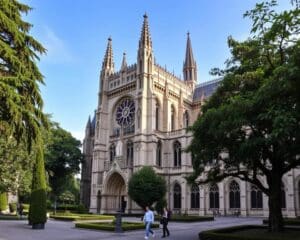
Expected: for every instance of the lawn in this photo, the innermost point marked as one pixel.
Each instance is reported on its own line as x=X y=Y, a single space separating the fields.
x=80 y=217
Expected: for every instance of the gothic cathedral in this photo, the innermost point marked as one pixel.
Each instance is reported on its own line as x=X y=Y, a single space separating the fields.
x=142 y=115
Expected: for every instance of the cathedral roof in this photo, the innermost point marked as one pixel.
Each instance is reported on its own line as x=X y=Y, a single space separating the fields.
x=206 y=89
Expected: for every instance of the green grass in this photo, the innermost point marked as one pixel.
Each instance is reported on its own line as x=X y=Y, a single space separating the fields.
x=249 y=233
x=126 y=226
x=80 y=217
x=287 y=221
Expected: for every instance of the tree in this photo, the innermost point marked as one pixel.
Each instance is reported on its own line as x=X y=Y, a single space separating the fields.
x=145 y=187
x=38 y=208
x=21 y=103
x=250 y=127
x=63 y=157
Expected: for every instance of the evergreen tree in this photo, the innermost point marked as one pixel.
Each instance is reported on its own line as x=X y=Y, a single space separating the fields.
x=38 y=208
x=21 y=103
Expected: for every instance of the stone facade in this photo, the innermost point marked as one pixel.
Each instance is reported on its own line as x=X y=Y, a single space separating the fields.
x=141 y=119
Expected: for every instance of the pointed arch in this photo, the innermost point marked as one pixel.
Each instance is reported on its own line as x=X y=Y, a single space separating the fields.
x=177 y=154
x=234 y=195
x=214 y=201
x=256 y=197
x=112 y=152
x=129 y=153
x=177 y=196
x=158 y=153
x=195 y=196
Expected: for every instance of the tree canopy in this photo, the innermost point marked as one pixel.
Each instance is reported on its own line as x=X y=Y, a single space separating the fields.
x=21 y=103
x=250 y=127
x=145 y=187
x=62 y=158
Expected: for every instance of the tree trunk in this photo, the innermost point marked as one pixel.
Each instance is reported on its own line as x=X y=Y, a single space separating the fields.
x=275 y=201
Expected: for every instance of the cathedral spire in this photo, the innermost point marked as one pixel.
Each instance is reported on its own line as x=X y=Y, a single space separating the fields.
x=108 y=62
x=124 y=62
x=189 y=66
x=145 y=39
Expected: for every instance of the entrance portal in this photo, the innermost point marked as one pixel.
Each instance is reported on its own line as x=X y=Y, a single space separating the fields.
x=115 y=193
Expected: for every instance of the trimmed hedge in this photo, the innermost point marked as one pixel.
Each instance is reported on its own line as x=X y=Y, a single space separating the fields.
x=3 y=202
x=187 y=218
x=234 y=233
x=13 y=207
x=287 y=221
x=12 y=217
x=80 y=217
x=126 y=226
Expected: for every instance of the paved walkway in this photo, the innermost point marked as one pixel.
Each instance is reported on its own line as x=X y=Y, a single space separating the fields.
x=59 y=230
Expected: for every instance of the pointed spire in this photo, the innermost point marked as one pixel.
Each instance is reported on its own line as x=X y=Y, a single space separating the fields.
x=124 y=62
x=108 y=62
x=189 y=65
x=145 y=39
x=88 y=124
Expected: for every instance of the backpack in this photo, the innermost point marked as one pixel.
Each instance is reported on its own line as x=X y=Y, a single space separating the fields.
x=169 y=214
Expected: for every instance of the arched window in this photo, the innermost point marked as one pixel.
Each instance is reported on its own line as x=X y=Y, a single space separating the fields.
x=112 y=152
x=177 y=196
x=234 y=195
x=256 y=197
x=158 y=154
x=157 y=116
x=283 y=200
x=186 y=119
x=214 y=196
x=195 y=196
x=129 y=155
x=177 y=154
x=172 y=118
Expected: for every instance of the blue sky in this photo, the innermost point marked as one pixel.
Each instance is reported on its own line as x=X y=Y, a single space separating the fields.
x=75 y=34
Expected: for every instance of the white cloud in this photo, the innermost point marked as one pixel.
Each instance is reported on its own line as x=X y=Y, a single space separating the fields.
x=57 y=49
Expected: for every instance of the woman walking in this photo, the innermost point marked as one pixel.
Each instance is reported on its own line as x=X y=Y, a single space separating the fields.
x=164 y=221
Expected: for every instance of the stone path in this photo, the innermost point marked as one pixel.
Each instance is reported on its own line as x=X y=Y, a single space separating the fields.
x=59 y=230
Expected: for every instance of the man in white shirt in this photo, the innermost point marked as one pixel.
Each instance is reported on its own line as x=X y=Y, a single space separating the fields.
x=148 y=220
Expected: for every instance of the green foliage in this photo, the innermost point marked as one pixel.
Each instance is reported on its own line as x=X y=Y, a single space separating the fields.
x=160 y=204
x=250 y=128
x=80 y=217
x=62 y=157
x=16 y=166
x=126 y=226
x=249 y=232
x=145 y=187
x=3 y=201
x=21 y=103
x=38 y=208
x=67 y=197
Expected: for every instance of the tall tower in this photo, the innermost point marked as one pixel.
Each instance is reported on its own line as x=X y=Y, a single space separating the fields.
x=145 y=61
x=145 y=56
x=107 y=69
x=189 y=65
x=102 y=128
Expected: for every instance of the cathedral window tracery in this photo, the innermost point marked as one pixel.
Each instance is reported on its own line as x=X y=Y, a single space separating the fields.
x=177 y=154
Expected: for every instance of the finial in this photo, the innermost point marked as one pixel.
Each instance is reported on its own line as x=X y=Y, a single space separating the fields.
x=188 y=33
x=109 y=38
x=145 y=15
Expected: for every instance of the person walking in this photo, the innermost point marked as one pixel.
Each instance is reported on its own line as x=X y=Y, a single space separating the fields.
x=165 y=221
x=148 y=220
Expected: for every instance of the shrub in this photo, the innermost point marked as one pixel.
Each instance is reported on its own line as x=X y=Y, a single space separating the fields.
x=146 y=187
x=126 y=226
x=13 y=207
x=187 y=218
x=38 y=209
x=3 y=201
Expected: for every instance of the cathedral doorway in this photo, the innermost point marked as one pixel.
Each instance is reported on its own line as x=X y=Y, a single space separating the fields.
x=115 y=193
